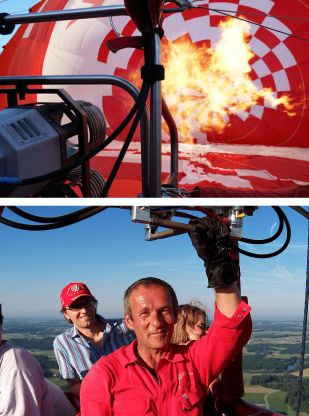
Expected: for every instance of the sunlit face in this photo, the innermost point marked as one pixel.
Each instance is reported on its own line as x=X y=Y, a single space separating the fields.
x=152 y=317
x=82 y=313
x=198 y=329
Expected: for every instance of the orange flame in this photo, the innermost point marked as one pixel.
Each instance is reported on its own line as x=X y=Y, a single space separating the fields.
x=203 y=87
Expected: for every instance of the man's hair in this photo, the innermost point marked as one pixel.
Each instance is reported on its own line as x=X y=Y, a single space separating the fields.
x=188 y=315
x=146 y=282
x=1 y=316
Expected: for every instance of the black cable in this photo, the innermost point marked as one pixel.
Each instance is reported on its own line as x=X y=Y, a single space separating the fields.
x=20 y=11
x=274 y=253
x=77 y=216
x=301 y=211
x=141 y=104
x=270 y=239
x=89 y=155
x=254 y=241
x=272 y=16
x=53 y=226
x=183 y=7
x=282 y=221
x=304 y=333
x=79 y=161
x=113 y=27
x=252 y=22
x=48 y=220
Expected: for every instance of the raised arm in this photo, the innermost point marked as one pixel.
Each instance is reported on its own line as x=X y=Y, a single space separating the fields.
x=210 y=238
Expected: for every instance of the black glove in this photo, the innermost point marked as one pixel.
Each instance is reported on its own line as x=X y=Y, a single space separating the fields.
x=210 y=238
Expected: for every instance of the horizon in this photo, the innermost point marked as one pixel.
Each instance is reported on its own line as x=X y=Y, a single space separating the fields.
x=115 y=318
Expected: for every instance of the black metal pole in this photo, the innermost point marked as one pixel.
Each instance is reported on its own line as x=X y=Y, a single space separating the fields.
x=304 y=335
x=71 y=14
x=152 y=53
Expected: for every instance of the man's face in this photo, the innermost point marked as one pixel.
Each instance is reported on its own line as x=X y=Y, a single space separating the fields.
x=82 y=312
x=152 y=317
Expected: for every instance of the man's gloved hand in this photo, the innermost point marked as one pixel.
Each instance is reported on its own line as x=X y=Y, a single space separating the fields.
x=210 y=238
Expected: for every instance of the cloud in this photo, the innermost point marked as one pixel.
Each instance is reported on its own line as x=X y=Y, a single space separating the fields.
x=272 y=229
x=168 y=265
x=299 y=247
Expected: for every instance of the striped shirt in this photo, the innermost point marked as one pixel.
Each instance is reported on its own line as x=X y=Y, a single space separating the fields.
x=76 y=355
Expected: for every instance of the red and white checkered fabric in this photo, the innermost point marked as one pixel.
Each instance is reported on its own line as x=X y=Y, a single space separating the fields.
x=280 y=62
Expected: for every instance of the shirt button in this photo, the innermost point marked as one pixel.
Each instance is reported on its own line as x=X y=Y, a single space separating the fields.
x=239 y=316
x=244 y=309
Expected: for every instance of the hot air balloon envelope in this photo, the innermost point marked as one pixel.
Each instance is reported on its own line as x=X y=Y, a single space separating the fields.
x=237 y=89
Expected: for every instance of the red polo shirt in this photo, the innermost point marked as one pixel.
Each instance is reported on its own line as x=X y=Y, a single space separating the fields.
x=119 y=385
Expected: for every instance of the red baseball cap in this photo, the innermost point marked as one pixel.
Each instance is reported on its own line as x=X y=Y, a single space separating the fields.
x=73 y=291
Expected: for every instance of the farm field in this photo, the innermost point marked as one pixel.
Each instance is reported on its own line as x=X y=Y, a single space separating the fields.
x=274 y=351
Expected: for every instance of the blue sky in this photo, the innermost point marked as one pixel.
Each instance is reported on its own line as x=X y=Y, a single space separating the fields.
x=109 y=252
x=13 y=7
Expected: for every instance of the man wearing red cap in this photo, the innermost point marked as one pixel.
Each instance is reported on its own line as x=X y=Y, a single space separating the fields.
x=90 y=338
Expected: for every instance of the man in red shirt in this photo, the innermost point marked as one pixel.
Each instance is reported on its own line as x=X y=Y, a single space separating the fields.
x=154 y=377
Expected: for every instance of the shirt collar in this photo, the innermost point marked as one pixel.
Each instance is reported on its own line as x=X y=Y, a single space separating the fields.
x=74 y=331
x=175 y=354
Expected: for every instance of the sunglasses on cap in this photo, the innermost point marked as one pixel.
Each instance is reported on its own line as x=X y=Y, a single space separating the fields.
x=80 y=305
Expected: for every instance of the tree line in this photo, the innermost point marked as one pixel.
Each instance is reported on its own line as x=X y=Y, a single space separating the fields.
x=269 y=364
x=266 y=348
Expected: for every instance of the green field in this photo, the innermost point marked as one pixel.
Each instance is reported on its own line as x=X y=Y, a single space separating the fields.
x=256 y=398
x=276 y=401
